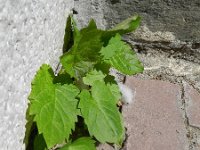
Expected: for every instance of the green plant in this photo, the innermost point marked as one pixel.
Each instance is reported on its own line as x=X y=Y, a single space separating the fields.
x=78 y=106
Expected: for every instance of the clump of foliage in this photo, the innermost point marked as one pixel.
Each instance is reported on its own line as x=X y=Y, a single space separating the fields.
x=78 y=106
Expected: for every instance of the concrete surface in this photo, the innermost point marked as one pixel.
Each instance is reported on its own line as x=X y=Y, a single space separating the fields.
x=31 y=33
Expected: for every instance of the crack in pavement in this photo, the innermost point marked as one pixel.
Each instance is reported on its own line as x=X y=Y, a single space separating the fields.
x=193 y=131
x=186 y=119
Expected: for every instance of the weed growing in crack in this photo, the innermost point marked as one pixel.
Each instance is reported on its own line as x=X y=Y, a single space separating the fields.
x=78 y=106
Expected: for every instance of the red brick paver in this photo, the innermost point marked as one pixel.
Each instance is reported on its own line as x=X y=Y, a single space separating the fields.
x=192 y=98
x=105 y=147
x=154 y=121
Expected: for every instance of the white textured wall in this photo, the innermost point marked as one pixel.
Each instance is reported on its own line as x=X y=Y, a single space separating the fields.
x=31 y=33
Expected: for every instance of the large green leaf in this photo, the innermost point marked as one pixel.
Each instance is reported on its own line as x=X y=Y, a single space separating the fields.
x=54 y=106
x=121 y=57
x=83 y=143
x=101 y=114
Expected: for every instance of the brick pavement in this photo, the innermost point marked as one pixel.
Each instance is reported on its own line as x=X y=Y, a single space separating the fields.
x=163 y=116
x=155 y=120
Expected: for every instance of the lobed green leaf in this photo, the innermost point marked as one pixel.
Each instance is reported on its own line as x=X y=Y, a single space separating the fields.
x=95 y=75
x=101 y=114
x=53 y=106
x=121 y=57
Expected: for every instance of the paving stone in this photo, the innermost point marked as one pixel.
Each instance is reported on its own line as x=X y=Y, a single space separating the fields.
x=105 y=147
x=154 y=120
x=192 y=105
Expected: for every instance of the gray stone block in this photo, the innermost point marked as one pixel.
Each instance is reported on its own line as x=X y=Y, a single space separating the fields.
x=181 y=17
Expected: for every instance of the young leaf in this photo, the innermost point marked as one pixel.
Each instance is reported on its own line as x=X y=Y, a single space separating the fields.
x=76 y=32
x=84 y=53
x=68 y=38
x=87 y=44
x=127 y=25
x=54 y=106
x=101 y=114
x=121 y=57
x=83 y=143
x=93 y=76
x=124 y=27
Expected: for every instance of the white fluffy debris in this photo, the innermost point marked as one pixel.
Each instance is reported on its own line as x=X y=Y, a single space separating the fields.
x=127 y=93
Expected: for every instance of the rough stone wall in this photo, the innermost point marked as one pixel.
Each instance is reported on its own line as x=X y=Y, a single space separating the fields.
x=31 y=33
x=168 y=40
x=178 y=16
x=170 y=25
x=166 y=24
